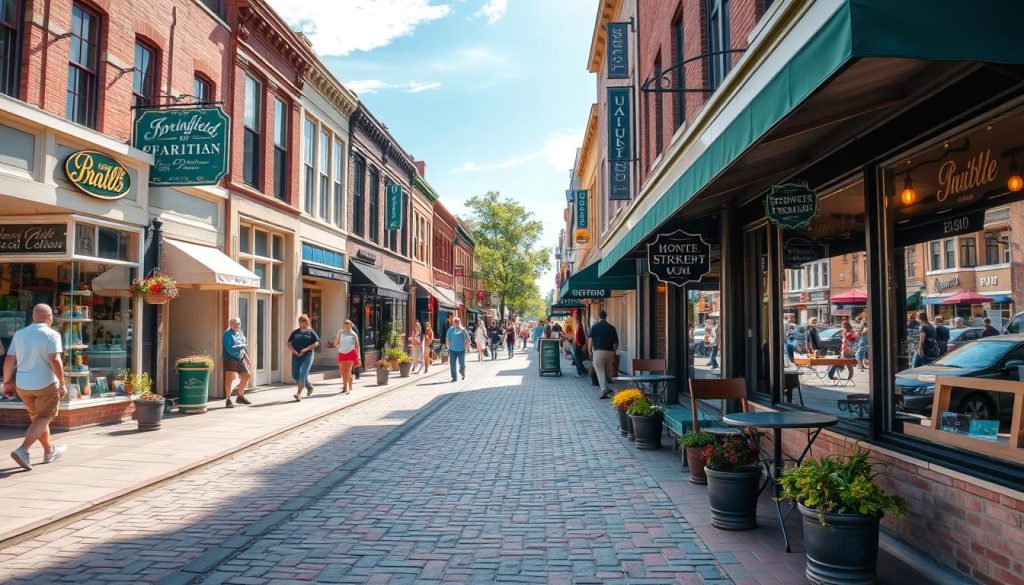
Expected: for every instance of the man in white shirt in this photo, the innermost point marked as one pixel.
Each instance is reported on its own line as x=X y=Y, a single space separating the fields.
x=35 y=354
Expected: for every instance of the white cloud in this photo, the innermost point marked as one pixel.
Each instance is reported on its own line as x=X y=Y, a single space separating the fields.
x=558 y=150
x=493 y=10
x=338 y=28
x=469 y=58
x=375 y=85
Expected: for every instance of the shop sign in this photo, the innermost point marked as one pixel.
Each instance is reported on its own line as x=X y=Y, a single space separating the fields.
x=582 y=294
x=679 y=258
x=97 y=175
x=189 y=146
x=959 y=180
x=618 y=177
x=942 y=284
x=791 y=206
x=989 y=281
x=582 y=236
x=618 y=50
x=951 y=226
x=395 y=207
x=460 y=270
x=34 y=238
x=481 y=296
x=619 y=135
x=494 y=298
x=582 y=209
x=325 y=273
x=364 y=254
x=799 y=251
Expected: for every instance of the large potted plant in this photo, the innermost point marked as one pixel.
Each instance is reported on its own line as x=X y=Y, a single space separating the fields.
x=193 y=383
x=156 y=289
x=404 y=365
x=647 y=422
x=693 y=443
x=621 y=402
x=393 y=355
x=383 y=370
x=734 y=477
x=127 y=379
x=149 y=407
x=841 y=504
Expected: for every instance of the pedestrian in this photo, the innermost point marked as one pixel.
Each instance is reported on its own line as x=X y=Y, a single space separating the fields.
x=35 y=356
x=579 y=346
x=989 y=330
x=959 y=323
x=845 y=350
x=428 y=347
x=347 y=342
x=524 y=334
x=457 y=340
x=416 y=346
x=942 y=334
x=302 y=342
x=862 y=347
x=927 y=343
x=510 y=339
x=494 y=340
x=603 y=345
x=790 y=333
x=481 y=340
x=813 y=341
x=236 y=362
x=711 y=340
x=538 y=333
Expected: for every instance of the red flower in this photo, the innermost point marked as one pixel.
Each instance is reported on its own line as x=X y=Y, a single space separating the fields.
x=157 y=287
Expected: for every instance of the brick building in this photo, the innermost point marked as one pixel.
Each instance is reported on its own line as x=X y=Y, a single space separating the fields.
x=444 y=268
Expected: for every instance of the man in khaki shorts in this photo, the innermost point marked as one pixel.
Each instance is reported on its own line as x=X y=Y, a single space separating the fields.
x=35 y=354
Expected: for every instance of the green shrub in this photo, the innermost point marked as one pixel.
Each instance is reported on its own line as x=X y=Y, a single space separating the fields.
x=643 y=407
x=696 y=439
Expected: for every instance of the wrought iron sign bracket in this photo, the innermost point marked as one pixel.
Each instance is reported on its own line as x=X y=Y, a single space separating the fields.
x=661 y=81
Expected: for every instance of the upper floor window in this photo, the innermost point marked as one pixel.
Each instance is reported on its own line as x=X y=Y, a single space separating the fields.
x=679 y=110
x=280 y=149
x=202 y=89
x=217 y=6
x=83 y=66
x=325 y=173
x=309 y=162
x=10 y=44
x=911 y=261
x=374 y=198
x=252 y=120
x=717 y=32
x=358 y=196
x=337 y=182
x=936 y=256
x=404 y=235
x=968 y=252
x=950 y=248
x=144 y=74
x=659 y=112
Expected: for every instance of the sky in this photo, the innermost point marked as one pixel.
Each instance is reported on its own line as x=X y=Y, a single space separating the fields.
x=493 y=94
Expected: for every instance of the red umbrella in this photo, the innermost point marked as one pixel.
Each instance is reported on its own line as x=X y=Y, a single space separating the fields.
x=966 y=298
x=852 y=297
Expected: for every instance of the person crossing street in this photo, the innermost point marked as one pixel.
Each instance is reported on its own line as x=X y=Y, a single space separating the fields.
x=457 y=341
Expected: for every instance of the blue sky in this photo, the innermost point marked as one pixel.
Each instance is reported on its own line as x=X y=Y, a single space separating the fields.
x=493 y=95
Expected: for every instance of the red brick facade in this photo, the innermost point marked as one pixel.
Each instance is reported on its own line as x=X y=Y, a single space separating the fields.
x=76 y=418
x=444 y=237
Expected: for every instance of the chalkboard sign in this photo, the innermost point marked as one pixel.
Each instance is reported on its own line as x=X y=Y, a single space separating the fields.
x=678 y=258
x=791 y=206
x=550 y=360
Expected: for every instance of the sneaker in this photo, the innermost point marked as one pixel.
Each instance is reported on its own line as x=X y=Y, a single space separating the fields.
x=242 y=400
x=606 y=394
x=20 y=456
x=309 y=390
x=297 y=397
x=227 y=404
x=52 y=456
x=463 y=375
x=454 y=380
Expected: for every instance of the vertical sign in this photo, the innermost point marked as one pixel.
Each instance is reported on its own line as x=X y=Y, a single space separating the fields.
x=618 y=176
x=619 y=135
x=618 y=51
x=394 y=207
x=582 y=211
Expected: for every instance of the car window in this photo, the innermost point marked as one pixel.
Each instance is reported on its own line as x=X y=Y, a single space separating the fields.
x=975 y=355
x=1016 y=353
x=969 y=334
x=1014 y=325
x=831 y=332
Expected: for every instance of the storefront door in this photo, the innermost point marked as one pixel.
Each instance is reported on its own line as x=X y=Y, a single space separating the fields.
x=260 y=340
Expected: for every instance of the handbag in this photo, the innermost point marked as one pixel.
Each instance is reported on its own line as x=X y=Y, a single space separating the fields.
x=487 y=352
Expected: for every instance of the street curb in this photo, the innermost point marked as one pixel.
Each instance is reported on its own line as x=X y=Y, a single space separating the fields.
x=27 y=531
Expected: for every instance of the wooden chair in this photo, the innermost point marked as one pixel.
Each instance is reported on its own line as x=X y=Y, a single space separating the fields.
x=650 y=366
x=711 y=389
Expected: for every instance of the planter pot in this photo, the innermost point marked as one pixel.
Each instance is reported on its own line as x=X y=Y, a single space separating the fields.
x=404 y=369
x=696 y=465
x=625 y=425
x=193 y=390
x=593 y=379
x=129 y=389
x=647 y=430
x=393 y=365
x=149 y=414
x=733 y=498
x=845 y=551
x=382 y=376
x=157 y=298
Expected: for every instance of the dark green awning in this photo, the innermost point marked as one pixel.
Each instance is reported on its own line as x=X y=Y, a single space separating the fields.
x=858 y=29
x=588 y=284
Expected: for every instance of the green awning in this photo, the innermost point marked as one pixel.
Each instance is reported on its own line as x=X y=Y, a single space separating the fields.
x=588 y=284
x=914 y=301
x=909 y=29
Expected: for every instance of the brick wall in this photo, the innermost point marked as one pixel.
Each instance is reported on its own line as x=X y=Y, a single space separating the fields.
x=73 y=418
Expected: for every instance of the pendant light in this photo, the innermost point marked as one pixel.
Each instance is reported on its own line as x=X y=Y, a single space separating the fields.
x=1015 y=182
x=908 y=196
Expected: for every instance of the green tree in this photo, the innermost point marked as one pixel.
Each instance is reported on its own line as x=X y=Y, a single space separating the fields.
x=507 y=257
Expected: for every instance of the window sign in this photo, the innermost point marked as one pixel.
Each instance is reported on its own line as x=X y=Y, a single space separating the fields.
x=34 y=238
x=679 y=258
x=791 y=206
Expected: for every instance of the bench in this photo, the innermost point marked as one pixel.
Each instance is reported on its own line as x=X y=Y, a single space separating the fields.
x=678 y=421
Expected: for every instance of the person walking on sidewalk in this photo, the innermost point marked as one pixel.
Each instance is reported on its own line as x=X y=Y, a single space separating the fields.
x=35 y=355
x=603 y=344
x=538 y=333
x=579 y=345
x=416 y=345
x=481 y=340
x=428 y=347
x=510 y=339
x=348 y=354
x=457 y=340
x=303 y=342
x=236 y=362
x=494 y=339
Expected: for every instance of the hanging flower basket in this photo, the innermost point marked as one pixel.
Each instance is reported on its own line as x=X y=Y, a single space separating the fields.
x=157 y=289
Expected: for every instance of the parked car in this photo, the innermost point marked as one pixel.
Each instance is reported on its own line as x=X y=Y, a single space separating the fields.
x=831 y=340
x=962 y=336
x=1015 y=324
x=996 y=357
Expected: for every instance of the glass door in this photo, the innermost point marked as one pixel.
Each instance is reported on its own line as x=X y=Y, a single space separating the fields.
x=260 y=340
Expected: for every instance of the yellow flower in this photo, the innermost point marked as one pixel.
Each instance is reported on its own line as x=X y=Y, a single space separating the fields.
x=625 y=397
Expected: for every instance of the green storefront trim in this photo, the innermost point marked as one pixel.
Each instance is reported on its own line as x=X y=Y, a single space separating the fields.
x=911 y=29
x=589 y=279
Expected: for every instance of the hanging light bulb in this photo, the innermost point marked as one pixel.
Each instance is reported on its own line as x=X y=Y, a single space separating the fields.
x=1015 y=182
x=908 y=196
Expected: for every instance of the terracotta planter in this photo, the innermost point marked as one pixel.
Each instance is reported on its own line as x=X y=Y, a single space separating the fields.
x=157 y=298
x=393 y=365
x=695 y=463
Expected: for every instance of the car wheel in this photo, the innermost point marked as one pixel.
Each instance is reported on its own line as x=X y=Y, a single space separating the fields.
x=978 y=406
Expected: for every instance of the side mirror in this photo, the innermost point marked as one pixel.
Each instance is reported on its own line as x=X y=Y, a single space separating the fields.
x=1012 y=366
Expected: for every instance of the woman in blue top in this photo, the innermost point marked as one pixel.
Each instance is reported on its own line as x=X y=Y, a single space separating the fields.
x=457 y=340
x=302 y=342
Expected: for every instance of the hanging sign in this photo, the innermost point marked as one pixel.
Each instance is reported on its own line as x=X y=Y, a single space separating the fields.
x=189 y=146
x=34 y=238
x=582 y=209
x=619 y=135
x=394 y=207
x=494 y=298
x=582 y=236
x=618 y=50
x=678 y=258
x=618 y=177
x=799 y=251
x=791 y=206
x=97 y=175
x=481 y=296
x=460 y=270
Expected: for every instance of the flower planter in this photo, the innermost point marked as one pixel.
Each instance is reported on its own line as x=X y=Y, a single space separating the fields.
x=404 y=369
x=149 y=414
x=382 y=376
x=625 y=425
x=695 y=463
x=193 y=390
x=157 y=298
x=733 y=498
x=393 y=365
x=647 y=430
x=845 y=551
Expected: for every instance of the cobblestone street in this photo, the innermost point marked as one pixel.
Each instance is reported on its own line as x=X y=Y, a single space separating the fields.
x=506 y=477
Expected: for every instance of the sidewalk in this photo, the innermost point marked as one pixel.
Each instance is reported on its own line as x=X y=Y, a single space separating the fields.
x=104 y=463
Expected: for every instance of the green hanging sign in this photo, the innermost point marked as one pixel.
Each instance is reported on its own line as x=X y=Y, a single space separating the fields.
x=791 y=206
x=190 y=146
x=395 y=207
x=98 y=175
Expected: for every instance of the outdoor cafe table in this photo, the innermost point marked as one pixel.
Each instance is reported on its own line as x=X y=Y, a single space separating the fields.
x=654 y=383
x=813 y=422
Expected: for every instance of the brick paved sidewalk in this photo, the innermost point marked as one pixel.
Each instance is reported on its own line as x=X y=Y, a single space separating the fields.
x=106 y=462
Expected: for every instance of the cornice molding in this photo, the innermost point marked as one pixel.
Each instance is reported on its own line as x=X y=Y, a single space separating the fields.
x=589 y=149
x=331 y=88
x=606 y=11
x=365 y=122
x=420 y=183
x=257 y=18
